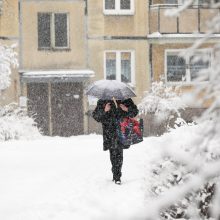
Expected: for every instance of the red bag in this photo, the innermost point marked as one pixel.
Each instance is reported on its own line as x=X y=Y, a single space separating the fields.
x=130 y=131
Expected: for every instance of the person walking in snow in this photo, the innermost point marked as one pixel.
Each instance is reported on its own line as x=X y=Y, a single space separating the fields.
x=108 y=112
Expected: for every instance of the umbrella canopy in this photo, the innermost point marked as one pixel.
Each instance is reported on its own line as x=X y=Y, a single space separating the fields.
x=108 y=89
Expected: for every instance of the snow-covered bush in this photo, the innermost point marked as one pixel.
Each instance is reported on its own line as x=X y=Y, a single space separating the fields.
x=8 y=59
x=16 y=124
x=185 y=178
x=14 y=121
x=162 y=101
x=168 y=174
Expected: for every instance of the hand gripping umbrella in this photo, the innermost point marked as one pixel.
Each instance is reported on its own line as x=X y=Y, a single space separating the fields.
x=110 y=89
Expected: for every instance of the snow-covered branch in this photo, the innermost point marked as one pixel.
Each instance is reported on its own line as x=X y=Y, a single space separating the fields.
x=194 y=191
x=8 y=59
x=181 y=8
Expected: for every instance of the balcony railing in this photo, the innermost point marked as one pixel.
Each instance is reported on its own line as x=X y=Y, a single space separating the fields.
x=203 y=3
x=193 y=19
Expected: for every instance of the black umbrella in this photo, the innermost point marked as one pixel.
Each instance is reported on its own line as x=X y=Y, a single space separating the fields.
x=110 y=89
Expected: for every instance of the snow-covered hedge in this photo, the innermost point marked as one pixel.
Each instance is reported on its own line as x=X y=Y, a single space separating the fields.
x=168 y=174
x=185 y=178
x=162 y=100
x=162 y=105
x=16 y=124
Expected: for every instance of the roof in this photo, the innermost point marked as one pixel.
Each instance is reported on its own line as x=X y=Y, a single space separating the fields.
x=56 y=75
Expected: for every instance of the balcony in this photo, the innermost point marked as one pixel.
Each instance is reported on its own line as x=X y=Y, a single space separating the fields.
x=191 y=20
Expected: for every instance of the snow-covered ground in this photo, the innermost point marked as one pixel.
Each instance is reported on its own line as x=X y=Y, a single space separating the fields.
x=70 y=178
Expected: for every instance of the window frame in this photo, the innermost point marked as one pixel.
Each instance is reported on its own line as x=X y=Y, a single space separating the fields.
x=188 y=72
x=118 y=64
x=52 y=32
x=118 y=10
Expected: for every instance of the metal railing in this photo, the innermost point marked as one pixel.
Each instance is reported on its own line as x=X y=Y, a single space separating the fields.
x=196 y=3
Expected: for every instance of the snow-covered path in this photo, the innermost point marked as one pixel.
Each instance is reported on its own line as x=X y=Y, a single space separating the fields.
x=69 y=178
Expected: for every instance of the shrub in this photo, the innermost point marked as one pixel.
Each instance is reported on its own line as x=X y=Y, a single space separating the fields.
x=16 y=124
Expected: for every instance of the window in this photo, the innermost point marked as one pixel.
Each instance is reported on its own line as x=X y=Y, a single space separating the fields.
x=171 y=1
x=53 y=31
x=1 y=5
x=186 y=69
x=110 y=4
x=118 y=7
x=175 y=68
x=110 y=65
x=119 y=65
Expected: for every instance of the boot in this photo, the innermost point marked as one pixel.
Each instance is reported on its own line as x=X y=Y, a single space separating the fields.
x=118 y=182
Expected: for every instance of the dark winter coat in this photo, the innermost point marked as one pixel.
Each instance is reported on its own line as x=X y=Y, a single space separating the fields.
x=109 y=120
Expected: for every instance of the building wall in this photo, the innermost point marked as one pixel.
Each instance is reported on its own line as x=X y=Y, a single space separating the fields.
x=32 y=57
x=9 y=34
x=140 y=48
x=206 y=16
x=9 y=19
x=131 y=32
x=96 y=63
x=100 y=24
x=176 y=33
x=131 y=28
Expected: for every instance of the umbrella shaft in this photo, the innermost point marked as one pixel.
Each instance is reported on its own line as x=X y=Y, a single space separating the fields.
x=115 y=102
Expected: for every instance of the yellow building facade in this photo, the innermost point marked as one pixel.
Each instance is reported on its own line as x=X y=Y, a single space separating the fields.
x=53 y=64
x=169 y=36
x=114 y=34
x=117 y=34
x=65 y=45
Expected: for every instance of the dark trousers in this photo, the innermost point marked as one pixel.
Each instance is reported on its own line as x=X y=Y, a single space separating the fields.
x=116 y=157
